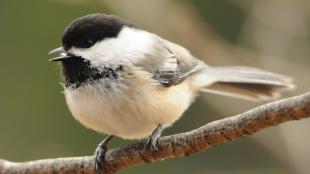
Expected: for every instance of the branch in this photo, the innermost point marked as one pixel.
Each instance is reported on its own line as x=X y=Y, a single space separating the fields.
x=178 y=145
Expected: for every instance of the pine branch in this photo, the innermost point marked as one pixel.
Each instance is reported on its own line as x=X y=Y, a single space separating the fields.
x=178 y=145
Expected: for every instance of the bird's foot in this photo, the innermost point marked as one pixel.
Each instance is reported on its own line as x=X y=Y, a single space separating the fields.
x=151 y=142
x=99 y=156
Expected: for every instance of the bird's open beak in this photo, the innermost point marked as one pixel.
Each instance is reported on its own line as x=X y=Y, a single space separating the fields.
x=57 y=51
x=63 y=55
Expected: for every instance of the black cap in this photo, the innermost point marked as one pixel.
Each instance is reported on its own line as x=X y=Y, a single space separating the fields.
x=87 y=30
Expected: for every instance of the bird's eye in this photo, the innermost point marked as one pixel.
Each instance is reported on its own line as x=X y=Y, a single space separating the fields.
x=90 y=43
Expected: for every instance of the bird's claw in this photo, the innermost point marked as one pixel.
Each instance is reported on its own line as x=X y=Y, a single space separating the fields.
x=99 y=158
x=151 y=144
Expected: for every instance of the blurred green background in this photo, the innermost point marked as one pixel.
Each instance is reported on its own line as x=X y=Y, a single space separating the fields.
x=271 y=34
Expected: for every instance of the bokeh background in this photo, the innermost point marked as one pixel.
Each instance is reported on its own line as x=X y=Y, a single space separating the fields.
x=271 y=34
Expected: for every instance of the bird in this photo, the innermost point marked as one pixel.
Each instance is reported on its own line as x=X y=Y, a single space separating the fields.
x=123 y=81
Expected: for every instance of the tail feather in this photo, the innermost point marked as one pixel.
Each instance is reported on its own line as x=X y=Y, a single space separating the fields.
x=247 y=83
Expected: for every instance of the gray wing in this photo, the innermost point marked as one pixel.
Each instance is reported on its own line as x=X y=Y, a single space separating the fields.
x=166 y=67
x=173 y=71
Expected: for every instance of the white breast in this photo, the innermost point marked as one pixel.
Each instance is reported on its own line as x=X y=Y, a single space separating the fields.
x=130 y=109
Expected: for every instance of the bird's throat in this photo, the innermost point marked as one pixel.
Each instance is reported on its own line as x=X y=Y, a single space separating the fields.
x=78 y=72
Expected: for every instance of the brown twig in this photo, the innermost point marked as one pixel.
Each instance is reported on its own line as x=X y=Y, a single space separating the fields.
x=179 y=145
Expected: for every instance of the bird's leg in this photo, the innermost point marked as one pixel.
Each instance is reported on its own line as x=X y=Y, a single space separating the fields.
x=100 y=153
x=152 y=140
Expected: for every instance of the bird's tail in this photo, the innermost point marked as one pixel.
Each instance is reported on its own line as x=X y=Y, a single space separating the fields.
x=246 y=82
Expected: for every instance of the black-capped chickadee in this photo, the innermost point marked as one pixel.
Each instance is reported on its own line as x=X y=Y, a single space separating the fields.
x=121 y=80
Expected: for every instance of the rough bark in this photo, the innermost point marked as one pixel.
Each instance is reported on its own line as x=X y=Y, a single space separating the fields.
x=178 y=145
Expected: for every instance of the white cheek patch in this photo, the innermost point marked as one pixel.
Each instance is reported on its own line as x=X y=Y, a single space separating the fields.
x=128 y=47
